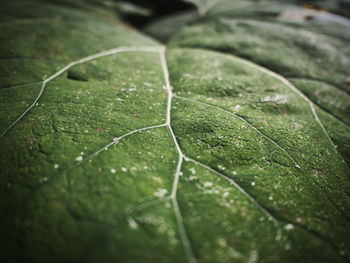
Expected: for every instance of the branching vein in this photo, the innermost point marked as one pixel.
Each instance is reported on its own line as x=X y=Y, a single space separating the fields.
x=246 y=122
x=297 y=91
x=147 y=204
x=246 y=194
x=182 y=231
x=115 y=141
x=79 y=61
x=181 y=157
x=20 y=85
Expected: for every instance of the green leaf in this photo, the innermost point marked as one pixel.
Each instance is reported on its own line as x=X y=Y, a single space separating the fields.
x=298 y=43
x=115 y=148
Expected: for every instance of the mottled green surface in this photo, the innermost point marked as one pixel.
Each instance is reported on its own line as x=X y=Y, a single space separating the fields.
x=328 y=98
x=39 y=39
x=287 y=50
x=89 y=173
x=298 y=43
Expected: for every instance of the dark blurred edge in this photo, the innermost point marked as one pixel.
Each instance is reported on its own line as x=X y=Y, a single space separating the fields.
x=147 y=11
x=159 y=8
x=162 y=8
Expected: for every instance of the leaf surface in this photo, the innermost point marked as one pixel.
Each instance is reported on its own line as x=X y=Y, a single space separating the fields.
x=305 y=46
x=117 y=149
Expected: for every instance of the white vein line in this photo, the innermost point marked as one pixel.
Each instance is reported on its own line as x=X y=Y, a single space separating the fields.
x=320 y=123
x=267 y=213
x=320 y=107
x=117 y=139
x=114 y=141
x=169 y=90
x=168 y=117
x=176 y=178
x=25 y=112
x=242 y=119
x=147 y=204
x=21 y=85
x=292 y=87
x=79 y=61
x=178 y=216
x=182 y=231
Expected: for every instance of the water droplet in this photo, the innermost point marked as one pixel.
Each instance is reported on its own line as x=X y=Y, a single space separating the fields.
x=132 y=223
x=161 y=192
x=208 y=184
x=288 y=227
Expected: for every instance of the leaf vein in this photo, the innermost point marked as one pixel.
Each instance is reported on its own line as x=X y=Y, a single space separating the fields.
x=68 y=66
x=181 y=227
x=245 y=121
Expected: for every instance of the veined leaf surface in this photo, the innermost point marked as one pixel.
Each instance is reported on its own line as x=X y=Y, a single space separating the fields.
x=115 y=148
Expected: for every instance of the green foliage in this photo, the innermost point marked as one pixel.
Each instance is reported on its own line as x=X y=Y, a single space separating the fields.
x=115 y=149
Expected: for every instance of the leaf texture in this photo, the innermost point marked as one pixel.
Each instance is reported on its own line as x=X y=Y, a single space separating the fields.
x=116 y=148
